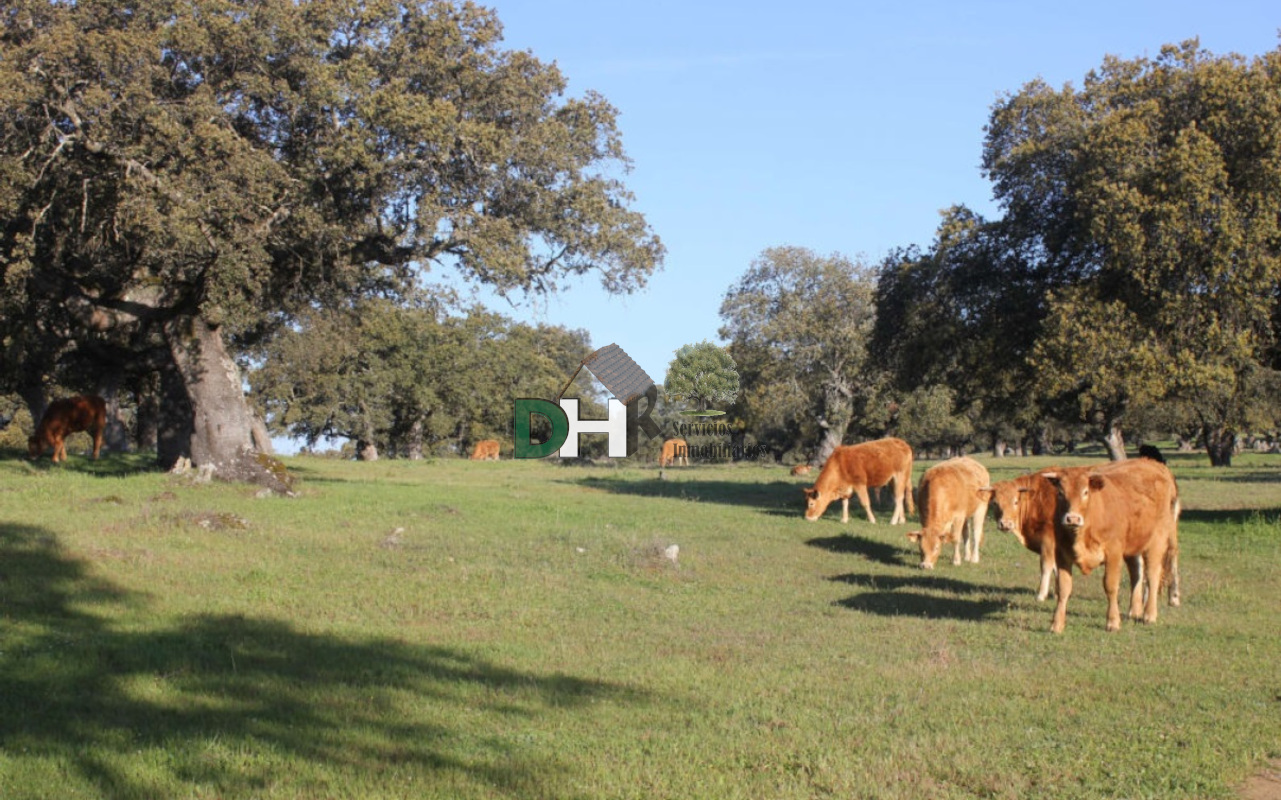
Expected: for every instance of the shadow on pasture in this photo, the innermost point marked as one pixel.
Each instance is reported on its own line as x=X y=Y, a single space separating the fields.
x=1233 y=516
x=925 y=580
x=229 y=700
x=776 y=496
x=1239 y=476
x=915 y=604
x=871 y=549
x=108 y=465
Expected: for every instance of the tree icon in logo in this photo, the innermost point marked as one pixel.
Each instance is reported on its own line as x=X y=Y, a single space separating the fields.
x=703 y=374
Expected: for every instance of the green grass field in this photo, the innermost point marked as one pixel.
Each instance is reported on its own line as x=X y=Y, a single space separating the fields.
x=452 y=629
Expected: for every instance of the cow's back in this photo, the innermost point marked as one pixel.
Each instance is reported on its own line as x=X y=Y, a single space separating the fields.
x=951 y=488
x=872 y=463
x=1140 y=499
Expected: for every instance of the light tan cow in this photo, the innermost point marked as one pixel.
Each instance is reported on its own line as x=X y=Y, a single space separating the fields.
x=485 y=450
x=674 y=450
x=801 y=469
x=1110 y=512
x=953 y=497
x=852 y=469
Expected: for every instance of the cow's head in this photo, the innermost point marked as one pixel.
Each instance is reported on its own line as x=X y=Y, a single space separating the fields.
x=931 y=543
x=1009 y=498
x=1074 y=487
x=816 y=502
x=33 y=447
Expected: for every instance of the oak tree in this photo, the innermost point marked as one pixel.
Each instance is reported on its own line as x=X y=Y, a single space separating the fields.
x=180 y=179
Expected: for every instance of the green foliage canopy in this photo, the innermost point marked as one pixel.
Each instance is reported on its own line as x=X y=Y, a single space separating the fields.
x=1155 y=192
x=703 y=373
x=798 y=325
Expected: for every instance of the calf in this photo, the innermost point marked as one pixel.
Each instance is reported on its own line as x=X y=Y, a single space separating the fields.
x=852 y=469
x=485 y=450
x=1107 y=513
x=67 y=416
x=801 y=469
x=953 y=498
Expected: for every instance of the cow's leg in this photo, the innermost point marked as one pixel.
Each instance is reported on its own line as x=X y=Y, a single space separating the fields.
x=1065 y=591
x=960 y=538
x=1112 y=587
x=1155 y=558
x=845 y=510
x=976 y=530
x=1047 y=572
x=867 y=503
x=59 y=450
x=899 y=517
x=1135 y=566
x=1172 y=555
x=97 y=442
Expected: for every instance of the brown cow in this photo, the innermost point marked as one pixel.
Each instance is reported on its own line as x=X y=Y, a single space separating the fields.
x=852 y=469
x=673 y=450
x=1025 y=507
x=801 y=469
x=953 y=497
x=485 y=450
x=1111 y=511
x=67 y=416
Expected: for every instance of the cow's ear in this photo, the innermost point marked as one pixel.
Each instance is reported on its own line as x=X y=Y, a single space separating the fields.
x=1096 y=483
x=915 y=535
x=1024 y=489
x=809 y=491
x=986 y=492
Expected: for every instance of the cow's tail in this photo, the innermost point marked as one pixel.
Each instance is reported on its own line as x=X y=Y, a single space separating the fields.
x=1171 y=572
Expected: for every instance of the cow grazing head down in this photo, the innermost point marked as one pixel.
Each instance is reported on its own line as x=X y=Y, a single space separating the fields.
x=64 y=417
x=931 y=538
x=931 y=543
x=816 y=502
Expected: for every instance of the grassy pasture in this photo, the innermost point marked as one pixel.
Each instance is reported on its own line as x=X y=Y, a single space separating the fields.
x=452 y=629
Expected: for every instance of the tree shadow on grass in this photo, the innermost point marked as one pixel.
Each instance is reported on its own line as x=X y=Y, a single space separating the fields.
x=871 y=549
x=775 y=496
x=925 y=580
x=227 y=705
x=109 y=465
x=1233 y=516
x=915 y=604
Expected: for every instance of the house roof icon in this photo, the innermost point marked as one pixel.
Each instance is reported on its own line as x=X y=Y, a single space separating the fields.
x=617 y=372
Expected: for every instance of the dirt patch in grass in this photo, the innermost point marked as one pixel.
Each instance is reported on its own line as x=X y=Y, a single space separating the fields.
x=1265 y=784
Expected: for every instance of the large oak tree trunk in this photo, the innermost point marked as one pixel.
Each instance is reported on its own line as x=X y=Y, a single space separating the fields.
x=147 y=422
x=414 y=441
x=1114 y=440
x=116 y=435
x=1220 y=443
x=173 y=419
x=221 y=432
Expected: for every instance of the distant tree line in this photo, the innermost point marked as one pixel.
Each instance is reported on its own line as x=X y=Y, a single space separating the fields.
x=1131 y=285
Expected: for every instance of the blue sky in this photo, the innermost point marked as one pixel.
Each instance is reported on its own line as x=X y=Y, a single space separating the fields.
x=841 y=127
